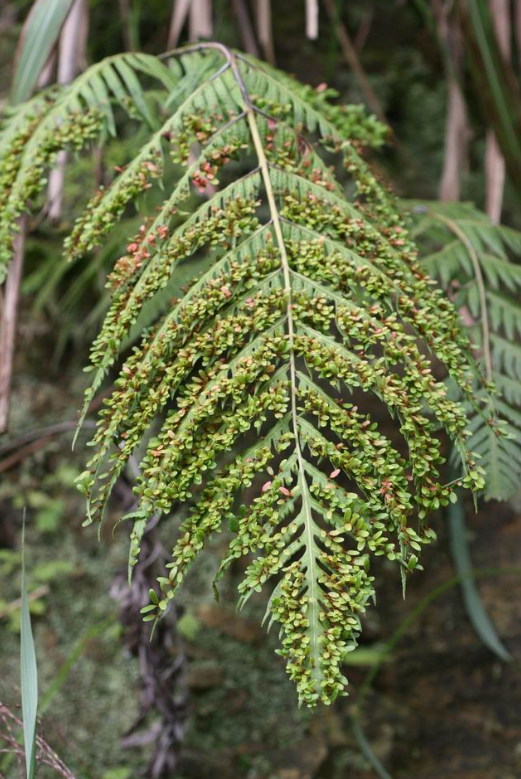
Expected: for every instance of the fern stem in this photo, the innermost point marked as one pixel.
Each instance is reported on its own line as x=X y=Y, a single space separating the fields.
x=485 y=327
x=306 y=508
x=275 y=218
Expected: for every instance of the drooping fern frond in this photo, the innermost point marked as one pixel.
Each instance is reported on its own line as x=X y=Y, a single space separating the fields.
x=303 y=290
x=473 y=259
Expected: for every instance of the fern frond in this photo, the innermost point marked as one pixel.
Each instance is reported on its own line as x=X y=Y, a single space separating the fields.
x=504 y=314
x=67 y=117
x=299 y=297
x=454 y=237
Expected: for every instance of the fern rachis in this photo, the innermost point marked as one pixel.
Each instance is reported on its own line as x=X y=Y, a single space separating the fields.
x=306 y=297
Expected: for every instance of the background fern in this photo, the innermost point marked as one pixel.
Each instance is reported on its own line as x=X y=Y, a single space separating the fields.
x=474 y=261
x=302 y=290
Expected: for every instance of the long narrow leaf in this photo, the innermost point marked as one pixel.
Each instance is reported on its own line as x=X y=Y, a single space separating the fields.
x=477 y=614
x=496 y=84
x=29 y=676
x=367 y=751
x=39 y=35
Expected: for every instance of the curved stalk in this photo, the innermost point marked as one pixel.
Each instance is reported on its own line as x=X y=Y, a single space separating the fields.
x=485 y=327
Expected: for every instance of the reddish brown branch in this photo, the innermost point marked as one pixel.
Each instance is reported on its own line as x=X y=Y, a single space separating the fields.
x=9 y=321
x=11 y=728
x=351 y=57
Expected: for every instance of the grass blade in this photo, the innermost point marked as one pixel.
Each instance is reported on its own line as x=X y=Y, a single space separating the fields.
x=477 y=614
x=29 y=676
x=496 y=83
x=39 y=35
x=367 y=751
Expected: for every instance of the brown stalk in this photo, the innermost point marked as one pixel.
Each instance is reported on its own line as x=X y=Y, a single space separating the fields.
x=365 y=28
x=264 y=29
x=11 y=296
x=72 y=48
x=312 y=19
x=10 y=728
x=47 y=74
x=456 y=143
x=124 y=13
x=456 y=126
x=177 y=22
x=351 y=57
x=494 y=160
x=482 y=291
x=245 y=26
x=35 y=443
x=9 y=320
x=200 y=22
x=14 y=605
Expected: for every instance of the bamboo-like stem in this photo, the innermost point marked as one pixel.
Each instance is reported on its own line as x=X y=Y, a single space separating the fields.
x=494 y=160
x=495 y=178
x=456 y=135
x=200 y=20
x=264 y=29
x=73 y=44
x=246 y=27
x=179 y=17
x=365 y=28
x=312 y=19
x=14 y=605
x=352 y=59
x=456 y=128
x=11 y=297
x=9 y=321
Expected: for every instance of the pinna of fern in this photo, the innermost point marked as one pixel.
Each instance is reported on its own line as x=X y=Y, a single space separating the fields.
x=240 y=391
x=474 y=261
x=32 y=134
